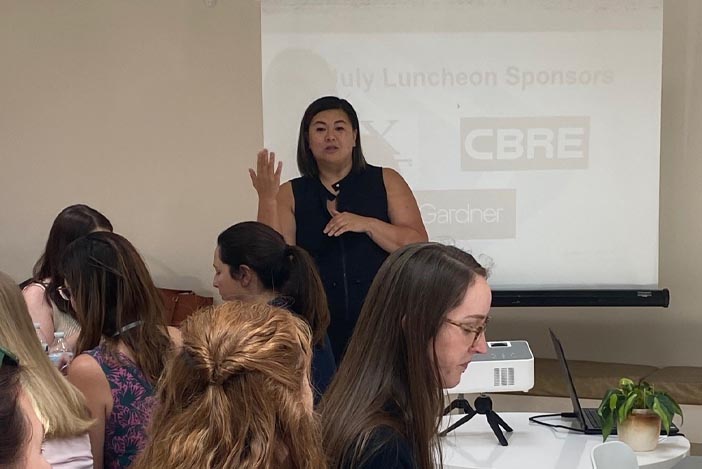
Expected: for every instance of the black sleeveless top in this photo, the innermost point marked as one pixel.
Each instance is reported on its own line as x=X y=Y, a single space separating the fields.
x=323 y=364
x=347 y=264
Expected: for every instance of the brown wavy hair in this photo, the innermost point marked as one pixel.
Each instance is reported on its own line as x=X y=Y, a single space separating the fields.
x=112 y=288
x=388 y=378
x=234 y=395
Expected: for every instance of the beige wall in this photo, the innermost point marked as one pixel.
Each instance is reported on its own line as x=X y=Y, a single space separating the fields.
x=148 y=111
x=151 y=112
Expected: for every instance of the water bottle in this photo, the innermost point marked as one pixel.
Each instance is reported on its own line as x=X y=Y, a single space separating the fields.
x=40 y=336
x=59 y=348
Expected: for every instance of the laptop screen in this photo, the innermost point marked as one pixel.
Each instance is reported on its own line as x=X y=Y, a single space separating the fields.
x=566 y=372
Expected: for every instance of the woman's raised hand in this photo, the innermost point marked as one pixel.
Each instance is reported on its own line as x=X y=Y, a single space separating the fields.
x=266 y=177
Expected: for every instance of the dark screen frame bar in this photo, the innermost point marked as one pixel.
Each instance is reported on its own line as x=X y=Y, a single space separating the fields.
x=577 y=298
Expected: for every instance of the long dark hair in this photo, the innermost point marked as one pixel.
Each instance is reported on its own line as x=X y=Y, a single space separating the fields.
x=14 y=424
x=286 y=270
x=70 y=224
x=387 y=377
x=306 y=163
x=112 y=288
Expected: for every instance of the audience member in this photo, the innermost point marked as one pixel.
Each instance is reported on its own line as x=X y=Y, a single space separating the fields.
x=45 y=303
x=253 y=263
x=237 y=395
x=422 y=322
x=21 y=435
x=123 y=343
x=60 y=407
x=346 y=213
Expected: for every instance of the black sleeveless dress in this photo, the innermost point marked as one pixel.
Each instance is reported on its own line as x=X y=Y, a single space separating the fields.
x=323 y=364
x=348 y=263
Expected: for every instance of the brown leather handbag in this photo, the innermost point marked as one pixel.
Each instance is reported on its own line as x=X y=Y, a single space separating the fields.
x=182 y=303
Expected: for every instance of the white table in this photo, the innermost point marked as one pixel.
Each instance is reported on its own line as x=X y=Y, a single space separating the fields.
x=473 y=445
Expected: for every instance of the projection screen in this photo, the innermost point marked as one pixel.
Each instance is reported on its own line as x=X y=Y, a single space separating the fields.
x=529 y=131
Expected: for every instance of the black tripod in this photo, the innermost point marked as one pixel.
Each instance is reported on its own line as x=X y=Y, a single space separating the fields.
x=483 y=405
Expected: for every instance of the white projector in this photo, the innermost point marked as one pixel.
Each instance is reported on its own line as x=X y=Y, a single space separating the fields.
x=507 y=366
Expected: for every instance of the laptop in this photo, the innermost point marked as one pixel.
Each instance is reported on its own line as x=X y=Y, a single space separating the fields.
x=588 y=418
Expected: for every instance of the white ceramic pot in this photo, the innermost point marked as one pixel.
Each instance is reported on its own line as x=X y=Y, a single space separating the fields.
x=640 y=430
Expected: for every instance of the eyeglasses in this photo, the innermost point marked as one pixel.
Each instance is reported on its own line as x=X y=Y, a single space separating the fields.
x=64 y=293
x=469 y=330
x=7 y=358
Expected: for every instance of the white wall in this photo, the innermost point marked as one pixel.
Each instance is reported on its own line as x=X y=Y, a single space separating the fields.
x=151 y=113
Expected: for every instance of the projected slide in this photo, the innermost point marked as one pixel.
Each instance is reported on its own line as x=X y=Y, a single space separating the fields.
x=528 y=131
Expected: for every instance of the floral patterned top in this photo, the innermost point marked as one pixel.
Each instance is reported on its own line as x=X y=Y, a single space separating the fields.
x=133 y=400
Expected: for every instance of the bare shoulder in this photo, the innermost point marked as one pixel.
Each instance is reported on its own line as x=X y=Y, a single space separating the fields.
x=394 y=181
x=86 y=374
x=34 y=292
x=84 y=368
x=402 y=205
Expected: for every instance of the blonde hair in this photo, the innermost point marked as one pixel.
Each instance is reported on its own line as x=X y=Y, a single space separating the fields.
x=61 y=408
x=233 y=396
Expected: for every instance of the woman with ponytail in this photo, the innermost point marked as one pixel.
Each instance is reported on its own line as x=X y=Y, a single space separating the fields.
x=237 y=394
x=253 y=263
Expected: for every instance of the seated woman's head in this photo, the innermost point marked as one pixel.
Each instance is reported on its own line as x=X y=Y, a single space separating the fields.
x=421 y=323
x=250 y=259
x=252 y=262
x=115 y=298
x=426 y=303
x=70 y=224
x=237 y=394
x=22 y=433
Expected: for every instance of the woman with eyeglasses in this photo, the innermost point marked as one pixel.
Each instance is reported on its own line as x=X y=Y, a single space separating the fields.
x=123 y=343
x=22 y=432
x=422 y=322
x=48 y=308
x=60 y=407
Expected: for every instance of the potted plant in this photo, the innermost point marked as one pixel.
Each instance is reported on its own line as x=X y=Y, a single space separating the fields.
x=639 y=410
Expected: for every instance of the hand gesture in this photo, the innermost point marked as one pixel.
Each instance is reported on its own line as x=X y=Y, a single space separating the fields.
x=266 y=178
x=343 y=222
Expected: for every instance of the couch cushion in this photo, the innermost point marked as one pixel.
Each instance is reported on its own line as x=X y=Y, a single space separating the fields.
x=683 y=383
x=592 y=379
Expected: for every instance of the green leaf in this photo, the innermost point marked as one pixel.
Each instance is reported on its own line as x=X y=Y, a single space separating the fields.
x=614 y=401
x=626 y=408
x=663 y=414
x=670 y=405
x=605 y=406
x=674 y=404
x=626 y=385
x=607 y=426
